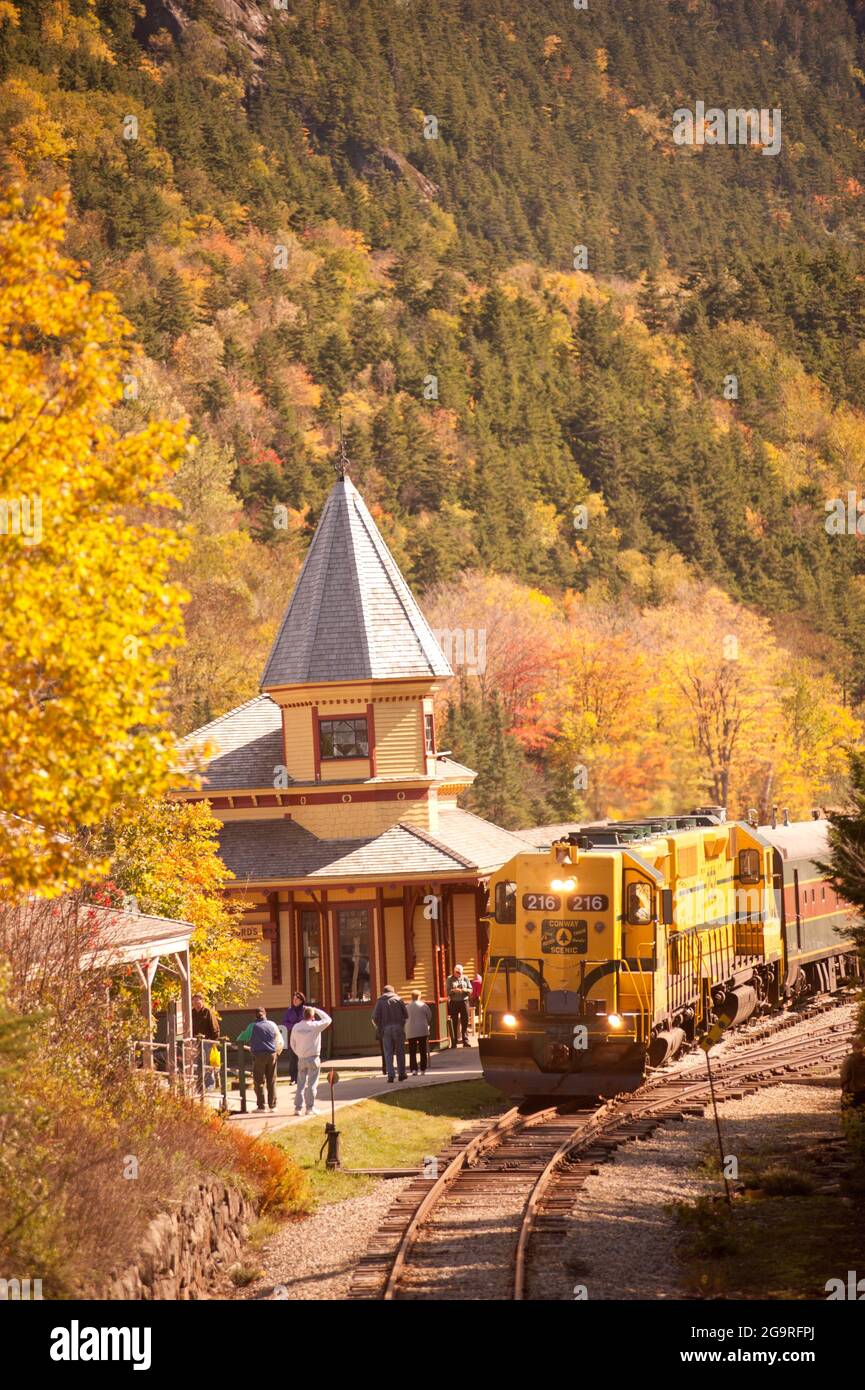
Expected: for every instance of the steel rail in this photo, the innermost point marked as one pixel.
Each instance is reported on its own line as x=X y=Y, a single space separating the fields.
x=671 y=1099
x=509 y=1123
x=751 y=1064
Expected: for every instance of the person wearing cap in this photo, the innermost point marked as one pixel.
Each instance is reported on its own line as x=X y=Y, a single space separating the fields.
x=305 y=1040
x=459 y=990
x=389 y=1016
x=265 y=1044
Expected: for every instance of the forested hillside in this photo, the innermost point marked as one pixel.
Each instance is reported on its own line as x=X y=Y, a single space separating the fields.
x=374 y=211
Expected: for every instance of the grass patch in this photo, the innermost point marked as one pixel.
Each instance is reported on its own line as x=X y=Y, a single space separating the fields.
x=784 y=1247
x=781 y=1180
x=393 y=1131
x=707 y=1227
x=784 y=1237
x=262 y=1231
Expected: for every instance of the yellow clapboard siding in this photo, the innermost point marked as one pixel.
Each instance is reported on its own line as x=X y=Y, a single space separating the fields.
x=299 y=759
x=345 y=769
x=399 y=738
x=465 y=933
x=357 y=820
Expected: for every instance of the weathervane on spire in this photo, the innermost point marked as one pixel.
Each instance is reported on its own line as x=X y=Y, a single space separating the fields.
x=341 y=465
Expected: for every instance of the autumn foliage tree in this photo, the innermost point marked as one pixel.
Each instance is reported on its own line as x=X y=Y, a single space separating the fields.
x=87 y=613
x=620 y=710
x=165 y=854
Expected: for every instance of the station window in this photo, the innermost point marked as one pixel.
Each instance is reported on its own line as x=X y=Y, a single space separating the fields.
x=352 y=924
x=429 y=733
x=310 y=935
x=343 y=738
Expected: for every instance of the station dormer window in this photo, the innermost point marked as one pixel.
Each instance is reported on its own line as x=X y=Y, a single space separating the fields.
x=343 y=738
x=429 y=730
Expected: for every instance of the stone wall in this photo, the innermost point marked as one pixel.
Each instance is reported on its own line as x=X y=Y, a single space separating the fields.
x=185 y=1250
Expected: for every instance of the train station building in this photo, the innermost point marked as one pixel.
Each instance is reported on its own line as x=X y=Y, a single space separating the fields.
x=340 y=818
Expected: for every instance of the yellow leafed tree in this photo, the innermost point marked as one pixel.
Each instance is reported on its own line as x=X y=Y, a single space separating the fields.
x=87 y=613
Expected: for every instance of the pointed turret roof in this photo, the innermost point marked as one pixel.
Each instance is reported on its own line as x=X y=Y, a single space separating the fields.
x=352 y=615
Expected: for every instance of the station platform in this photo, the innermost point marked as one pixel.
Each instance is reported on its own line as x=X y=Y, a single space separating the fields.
x=360 y=1079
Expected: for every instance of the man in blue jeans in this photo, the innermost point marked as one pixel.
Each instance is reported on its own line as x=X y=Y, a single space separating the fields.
x=389 y=1017
x=305 y=1040
x=265 y=1044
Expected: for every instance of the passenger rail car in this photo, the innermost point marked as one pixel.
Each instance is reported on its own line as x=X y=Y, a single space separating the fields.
x=624 y=941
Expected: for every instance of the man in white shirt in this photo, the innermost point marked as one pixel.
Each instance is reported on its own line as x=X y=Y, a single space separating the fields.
x=305 y=1041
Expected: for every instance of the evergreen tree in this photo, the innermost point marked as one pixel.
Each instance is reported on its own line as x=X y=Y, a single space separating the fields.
x=652 y=303
x=845 y=868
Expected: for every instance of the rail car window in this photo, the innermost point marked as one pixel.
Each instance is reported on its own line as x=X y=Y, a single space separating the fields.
x=506 y=902
x=749 y=865
x=639 y=903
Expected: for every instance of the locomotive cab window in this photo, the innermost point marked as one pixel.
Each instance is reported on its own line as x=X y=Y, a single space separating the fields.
x=749 y=865
x=639 y=904
x=506 y=902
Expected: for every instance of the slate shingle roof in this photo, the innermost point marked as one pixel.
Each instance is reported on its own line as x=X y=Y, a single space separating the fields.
x=275 y=849
x=351 y=616
x=488 y=846
x=248 y=743
x=281 y=849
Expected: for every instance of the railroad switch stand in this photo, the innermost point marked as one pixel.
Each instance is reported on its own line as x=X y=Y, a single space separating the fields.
x=331 y=1133
x=331 y=1142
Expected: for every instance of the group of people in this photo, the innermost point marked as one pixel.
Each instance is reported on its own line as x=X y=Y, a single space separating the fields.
x=304 y=1025
x=396 y=1024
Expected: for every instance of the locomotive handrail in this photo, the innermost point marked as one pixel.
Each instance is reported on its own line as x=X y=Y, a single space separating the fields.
x=640 y=989
x=508 y=962
x=637 y=977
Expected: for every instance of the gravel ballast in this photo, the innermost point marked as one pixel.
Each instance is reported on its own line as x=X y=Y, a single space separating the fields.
x=623 y=1243
x=313 y=1258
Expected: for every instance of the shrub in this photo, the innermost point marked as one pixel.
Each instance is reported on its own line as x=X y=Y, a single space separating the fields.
x=281 y=1184
x=707 y=1226
x=853 y=1124
x=780 y=1180
x=91 y=1150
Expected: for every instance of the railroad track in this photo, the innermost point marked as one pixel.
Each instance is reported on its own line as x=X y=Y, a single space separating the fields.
x=502 y=1193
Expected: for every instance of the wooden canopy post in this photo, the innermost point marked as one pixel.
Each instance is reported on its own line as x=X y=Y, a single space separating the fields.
x=181 y=960
x=146 y=975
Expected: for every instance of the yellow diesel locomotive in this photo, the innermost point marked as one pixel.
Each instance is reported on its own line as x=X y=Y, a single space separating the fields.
x=621 y=942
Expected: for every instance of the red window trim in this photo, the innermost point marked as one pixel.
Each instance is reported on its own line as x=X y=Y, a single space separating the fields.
x=316 y=745
x=370 y=734
x=271 y=934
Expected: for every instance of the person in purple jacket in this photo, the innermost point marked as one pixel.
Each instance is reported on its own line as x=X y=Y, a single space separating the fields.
x=292 y=1016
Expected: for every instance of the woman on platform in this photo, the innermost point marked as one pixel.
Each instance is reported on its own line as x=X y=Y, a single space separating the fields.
x=292 y=1016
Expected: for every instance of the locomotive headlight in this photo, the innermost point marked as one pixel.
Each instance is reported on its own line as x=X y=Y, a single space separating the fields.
x=569 y=885
x=509 y=1021
x=615 y=1021
x=557 y=885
